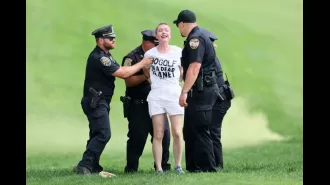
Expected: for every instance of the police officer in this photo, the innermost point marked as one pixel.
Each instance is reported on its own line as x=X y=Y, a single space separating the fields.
x=101 y=70
x=199 y=93
x=139 y=121
x=219 y=109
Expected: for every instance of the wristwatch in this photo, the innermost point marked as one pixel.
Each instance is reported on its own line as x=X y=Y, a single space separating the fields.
x=184 y=92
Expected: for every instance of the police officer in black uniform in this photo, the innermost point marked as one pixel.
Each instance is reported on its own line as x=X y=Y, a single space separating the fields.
x=101 y=70
x=219 y=109
x=139 y=121
x=199 y=93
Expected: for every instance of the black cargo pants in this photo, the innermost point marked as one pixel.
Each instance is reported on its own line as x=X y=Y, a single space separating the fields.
x=196 y=131
x=219 y=111
x=99 y=133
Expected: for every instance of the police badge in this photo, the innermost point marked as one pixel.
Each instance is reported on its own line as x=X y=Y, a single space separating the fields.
x=194 y=43
x=105 y=61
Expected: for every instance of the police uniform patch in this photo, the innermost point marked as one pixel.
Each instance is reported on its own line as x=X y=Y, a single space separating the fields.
x=128 y=62
x=194 y=43
x=106 y=61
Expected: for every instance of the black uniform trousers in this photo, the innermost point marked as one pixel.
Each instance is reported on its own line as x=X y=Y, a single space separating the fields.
x=99 y=133
x=196 y=130
x=219 y=111
x=139 y=126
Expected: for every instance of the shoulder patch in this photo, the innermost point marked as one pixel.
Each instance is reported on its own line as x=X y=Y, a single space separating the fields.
x=194 y=43
x=106 y=61
x=128 y=62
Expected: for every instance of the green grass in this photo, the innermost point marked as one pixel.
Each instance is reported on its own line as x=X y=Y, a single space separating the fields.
x=260 y=46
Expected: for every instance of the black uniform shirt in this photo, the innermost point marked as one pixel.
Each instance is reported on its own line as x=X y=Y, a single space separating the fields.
x=218 y=67
x=219 y=72
x=142 y=90
x=99 y=69
x=197 y=48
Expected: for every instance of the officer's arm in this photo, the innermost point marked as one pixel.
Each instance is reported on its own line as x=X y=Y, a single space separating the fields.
x=196 y=50
x=133 y=80
x=127 y=71
x=146 y=72
x=181 y=73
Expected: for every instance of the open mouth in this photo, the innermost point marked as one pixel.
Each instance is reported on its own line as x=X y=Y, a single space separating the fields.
x=164 y=36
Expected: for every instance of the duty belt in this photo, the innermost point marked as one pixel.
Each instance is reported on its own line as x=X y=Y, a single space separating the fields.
x=138 y=101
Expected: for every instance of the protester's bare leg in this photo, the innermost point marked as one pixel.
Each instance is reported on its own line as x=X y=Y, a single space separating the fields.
x=157 y=149
x=176 y=125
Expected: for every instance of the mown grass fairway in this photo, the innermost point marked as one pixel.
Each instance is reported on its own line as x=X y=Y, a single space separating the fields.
x=260 y=46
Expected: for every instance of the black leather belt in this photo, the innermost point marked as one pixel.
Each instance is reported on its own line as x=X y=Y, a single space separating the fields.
x=139 y=101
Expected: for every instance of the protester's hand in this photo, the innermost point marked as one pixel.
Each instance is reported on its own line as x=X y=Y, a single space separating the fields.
x=146 y=61
x=183 y=100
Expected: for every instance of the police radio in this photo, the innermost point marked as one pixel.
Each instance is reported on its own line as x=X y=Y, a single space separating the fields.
x=228 y=89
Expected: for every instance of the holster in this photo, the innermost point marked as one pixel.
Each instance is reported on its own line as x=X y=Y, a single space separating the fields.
x=200 y=83
x=126 y=103
x=210 y=80
x=95 y=97
x=205 y=80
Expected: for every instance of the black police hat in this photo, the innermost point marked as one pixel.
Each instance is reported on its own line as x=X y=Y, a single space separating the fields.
x=149 y=35
x=209 y=34
x=185 y=16
x=106 y=31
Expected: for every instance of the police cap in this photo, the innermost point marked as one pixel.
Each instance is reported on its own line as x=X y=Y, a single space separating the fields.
x=185 y=16
x=149 y=35
x=106 y=31
x=209 y=34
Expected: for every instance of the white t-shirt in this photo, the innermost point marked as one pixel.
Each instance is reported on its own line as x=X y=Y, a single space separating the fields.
x=165 y=74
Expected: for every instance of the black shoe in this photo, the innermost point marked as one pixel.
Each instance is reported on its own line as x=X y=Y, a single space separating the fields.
x=219 y=168
x=166 y=167
x=97 y=169
x=82 y=170
x=129 y=170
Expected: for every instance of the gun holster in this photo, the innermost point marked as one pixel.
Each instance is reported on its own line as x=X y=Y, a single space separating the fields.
x=95 y=97
x=200 y=84
x=210 y=80
x=126 y=102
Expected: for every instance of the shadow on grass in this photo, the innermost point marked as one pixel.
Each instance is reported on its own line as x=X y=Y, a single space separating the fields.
x=66 y=172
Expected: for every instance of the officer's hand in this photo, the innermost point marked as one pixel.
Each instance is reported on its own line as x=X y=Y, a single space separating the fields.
x=183 y=100
x=146 y=61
